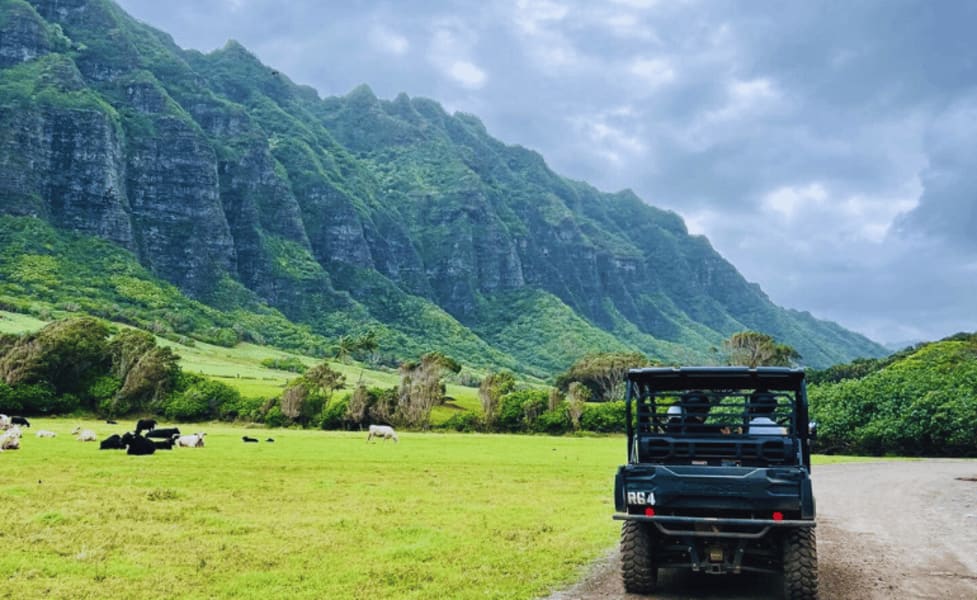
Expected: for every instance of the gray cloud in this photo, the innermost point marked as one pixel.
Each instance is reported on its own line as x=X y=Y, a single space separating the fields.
x=827 y=149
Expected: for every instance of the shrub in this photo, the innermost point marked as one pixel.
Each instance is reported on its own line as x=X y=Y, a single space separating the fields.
x=201 y=400
x=605 y=417
x=556 y=421
x=334 y=415
x=464 y=421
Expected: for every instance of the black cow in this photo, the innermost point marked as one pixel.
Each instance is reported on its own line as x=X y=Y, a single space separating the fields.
x=163 y=433
x=113 y=442
x=166 y=444
x=270 y=440
x=145 y=425
x=249 y=440
x=138 y=445
x=111 y=422
x=19 y=421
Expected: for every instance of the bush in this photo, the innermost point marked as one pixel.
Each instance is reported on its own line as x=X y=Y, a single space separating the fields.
x=520 y=410
x=247 y=409
x=555 y=422
x=605 y=417
x=200 y=401
x=463 y=421
x=291 y=364
x=39 y=398
x=334 y=414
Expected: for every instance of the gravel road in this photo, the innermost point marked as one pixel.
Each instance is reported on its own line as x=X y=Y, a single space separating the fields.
x=886 y=530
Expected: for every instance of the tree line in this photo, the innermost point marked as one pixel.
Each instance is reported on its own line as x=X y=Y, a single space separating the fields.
x=920 y=401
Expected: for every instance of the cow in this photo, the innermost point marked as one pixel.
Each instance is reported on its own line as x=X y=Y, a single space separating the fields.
x=84 y=435
x=137 y=445
x=20 y=421
x=249 y=440
x=44 y=433
x=270 y=440
x=191 y=441
x=163 y=433
x=145 y=425
x=111 y=422
x=4 y=422
x=10 y=439
x=166 y=444
x=113 y=442
x=383 y=431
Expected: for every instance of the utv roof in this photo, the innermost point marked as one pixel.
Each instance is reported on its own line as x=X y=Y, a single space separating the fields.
x=686 y=378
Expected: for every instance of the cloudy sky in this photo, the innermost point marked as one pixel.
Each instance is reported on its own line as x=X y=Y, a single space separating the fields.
x=827 y=149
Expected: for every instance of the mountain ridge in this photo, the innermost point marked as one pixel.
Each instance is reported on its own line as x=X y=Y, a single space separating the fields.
x=349 y=213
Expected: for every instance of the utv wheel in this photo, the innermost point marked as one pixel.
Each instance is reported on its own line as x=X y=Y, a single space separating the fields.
x=637 y=557
x=800 y=565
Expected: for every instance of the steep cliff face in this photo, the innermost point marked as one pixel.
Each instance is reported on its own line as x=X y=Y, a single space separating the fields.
x=349 y=212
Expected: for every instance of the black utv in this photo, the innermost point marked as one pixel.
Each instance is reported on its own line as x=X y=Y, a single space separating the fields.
x=718 y=478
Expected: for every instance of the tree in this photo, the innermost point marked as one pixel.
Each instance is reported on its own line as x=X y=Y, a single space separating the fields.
x=126 y=348
x=754 y=349
x=306 y=396
x=603 y=373
x=422 y=387
x=368 y=344
x=491 y=390
x=577 y=396
x=344 y=348
x=67 y=354
x=148 y=382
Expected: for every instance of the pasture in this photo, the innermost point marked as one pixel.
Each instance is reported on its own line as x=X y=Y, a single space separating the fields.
x=313 y=515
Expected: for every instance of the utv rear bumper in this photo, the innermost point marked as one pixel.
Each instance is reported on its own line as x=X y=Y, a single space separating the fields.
x=715 y=527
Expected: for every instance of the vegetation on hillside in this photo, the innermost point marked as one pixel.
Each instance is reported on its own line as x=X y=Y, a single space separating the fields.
x=920 y=401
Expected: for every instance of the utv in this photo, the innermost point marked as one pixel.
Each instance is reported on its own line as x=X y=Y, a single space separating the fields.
x=718 y=476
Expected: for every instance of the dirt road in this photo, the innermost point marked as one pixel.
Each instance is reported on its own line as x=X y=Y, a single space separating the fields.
x=889 y=530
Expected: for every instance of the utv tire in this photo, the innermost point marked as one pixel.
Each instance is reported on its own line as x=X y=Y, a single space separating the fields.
x=638 y=569
x=800 y=565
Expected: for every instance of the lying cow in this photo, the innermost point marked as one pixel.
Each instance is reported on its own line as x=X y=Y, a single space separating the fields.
x=249 y=440
x=84 y=435
x=20 y=421
x=164 y=433
x=138 y=445
x=10 y=439
x=191 y=441
x=382 y=431
x=113 y=442
x=44 y=433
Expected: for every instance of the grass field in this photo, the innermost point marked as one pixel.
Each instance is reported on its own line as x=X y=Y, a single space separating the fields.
x=313 y=515
x=18 y=323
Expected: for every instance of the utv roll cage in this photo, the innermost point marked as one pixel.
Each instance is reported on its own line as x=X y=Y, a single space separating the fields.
x=710 y=416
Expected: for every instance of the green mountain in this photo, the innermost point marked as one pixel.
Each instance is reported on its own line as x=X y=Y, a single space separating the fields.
x=251 y=193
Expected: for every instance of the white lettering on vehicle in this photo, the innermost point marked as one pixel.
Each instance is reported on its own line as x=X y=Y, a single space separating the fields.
x=641 y=498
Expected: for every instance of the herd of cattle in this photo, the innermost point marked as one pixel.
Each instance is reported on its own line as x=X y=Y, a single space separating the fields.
x=133 y=442
x=137 y=443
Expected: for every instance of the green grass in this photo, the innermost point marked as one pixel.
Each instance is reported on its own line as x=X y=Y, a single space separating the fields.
x=314 y=515
x=18 y=323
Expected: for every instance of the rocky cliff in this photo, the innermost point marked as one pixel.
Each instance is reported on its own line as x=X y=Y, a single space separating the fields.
x=352 y=212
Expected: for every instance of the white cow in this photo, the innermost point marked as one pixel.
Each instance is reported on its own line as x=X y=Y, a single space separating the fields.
x=383 y=431
x=190 y=441
x=10 y=439
x=44 y=433
x=84 y=435
x=4 y=422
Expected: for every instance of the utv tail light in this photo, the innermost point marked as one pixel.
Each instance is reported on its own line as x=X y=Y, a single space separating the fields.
x=778 y=516
x=649 y=512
